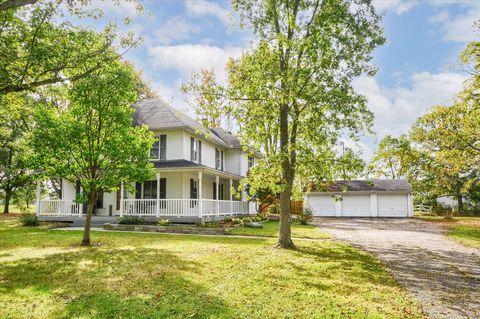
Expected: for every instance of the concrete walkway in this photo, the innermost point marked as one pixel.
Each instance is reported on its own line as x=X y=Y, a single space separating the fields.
x=444 y=275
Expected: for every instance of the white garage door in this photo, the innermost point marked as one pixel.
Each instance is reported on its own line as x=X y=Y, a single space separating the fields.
x=322 y=205
x=356 y=205
x=392 y=205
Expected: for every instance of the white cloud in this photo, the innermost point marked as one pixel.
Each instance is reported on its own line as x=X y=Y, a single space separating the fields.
x=203 y=8
x=458 y=27
x=188 y=58
x=397 y=6
x=176 y=28
x=397 y=108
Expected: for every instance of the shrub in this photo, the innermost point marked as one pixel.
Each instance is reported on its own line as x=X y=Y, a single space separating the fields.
x=163 y=222
x=305 y=217
x=130 y=220
x=27 y=219
x=237 y=221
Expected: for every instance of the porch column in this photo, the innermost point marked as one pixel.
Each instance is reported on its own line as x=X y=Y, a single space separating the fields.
x=37 y=197
x=217 y=184
x=157 y=210
x=244 y=196
x=199 y=194
x=230 y=192
x=80 y=206
x=121 y=198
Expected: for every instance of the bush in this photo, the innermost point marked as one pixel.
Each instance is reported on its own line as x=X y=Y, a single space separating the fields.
x=29 y=219
x=237 y=221
x=163 y=222
x=305 y=217
x=130 y=220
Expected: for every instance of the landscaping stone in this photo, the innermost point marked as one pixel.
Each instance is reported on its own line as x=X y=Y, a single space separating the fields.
x=253 y=225
x=180 y=229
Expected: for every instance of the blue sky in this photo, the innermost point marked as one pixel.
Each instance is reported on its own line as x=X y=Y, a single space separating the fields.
x=418 y=66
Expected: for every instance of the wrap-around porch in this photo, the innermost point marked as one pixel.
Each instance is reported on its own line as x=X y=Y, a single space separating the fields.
x=197 y=194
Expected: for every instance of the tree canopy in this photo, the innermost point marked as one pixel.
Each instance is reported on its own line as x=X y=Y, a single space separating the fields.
x=292 y=95
x=91 y=140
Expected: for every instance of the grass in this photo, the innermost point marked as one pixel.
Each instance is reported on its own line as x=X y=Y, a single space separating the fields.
x=45 y=274
x=465 y=230
x=16 y=209
x=270 y=229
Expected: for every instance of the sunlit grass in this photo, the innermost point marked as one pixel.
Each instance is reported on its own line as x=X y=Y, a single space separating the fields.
x=127 y=275
x=270 y=229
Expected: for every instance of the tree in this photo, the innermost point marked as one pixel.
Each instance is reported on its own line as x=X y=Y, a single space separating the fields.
x=393 y=159
x=294 y=88
x=15 y=122
x=453 y=164
x=36 y=49
x=207 y=100
x=92 y=140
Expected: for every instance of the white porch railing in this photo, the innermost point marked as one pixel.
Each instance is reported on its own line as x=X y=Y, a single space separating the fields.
x=58 y=208
x=183 y=207
x=153 y=207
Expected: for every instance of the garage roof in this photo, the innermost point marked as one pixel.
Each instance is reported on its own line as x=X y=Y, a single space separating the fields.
x=372 y=185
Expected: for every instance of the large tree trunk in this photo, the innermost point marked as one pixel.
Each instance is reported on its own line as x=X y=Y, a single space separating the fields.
x=8 y=196
x=460 y=204
x=285 y=233
x=88 y=218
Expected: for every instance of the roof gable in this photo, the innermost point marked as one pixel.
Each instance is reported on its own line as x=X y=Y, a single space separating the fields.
x=158 y=115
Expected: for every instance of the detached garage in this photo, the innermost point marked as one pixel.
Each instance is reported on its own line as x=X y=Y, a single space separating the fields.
x=361 y=198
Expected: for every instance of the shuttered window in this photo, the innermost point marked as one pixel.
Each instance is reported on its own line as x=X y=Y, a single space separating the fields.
x=195 y=150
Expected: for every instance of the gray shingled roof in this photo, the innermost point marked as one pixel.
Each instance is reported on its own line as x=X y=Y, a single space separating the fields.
x=159 y=115
x=373 y=185
x=175 y=164
x=227 y=137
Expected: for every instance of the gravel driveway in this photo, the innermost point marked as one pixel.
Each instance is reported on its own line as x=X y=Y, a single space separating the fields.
x=444 y=275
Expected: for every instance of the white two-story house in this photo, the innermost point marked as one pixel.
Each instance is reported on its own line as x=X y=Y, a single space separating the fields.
x=196 y=169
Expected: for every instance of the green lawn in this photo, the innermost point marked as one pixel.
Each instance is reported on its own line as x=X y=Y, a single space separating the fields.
x=45 y=274
x=270 y=229
x=465 y=230
x=16 y=209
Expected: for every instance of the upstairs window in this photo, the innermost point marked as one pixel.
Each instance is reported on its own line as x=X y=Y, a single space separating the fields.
x=219 y=159
x=251 y=161
x=195 y=150
x=159 y=148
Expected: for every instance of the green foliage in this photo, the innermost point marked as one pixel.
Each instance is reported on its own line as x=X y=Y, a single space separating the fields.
x=15 y=124
x=130 y=220
x=163 y=222
x=394 y=158
x=37 y=48
x=205 y=98
x=92 y=140
x=29 y=220
x=305 y=217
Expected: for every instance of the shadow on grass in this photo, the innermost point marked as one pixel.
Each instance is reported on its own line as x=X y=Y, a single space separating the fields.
x=139 y=283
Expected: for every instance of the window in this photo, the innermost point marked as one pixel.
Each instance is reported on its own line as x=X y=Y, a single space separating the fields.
x=154 y=151
x=99 y=199
x=163 y=147
x=193 y=189
x=251 y=162
x=220 y=191
x=150 y=190
x=159 y=148
x=195 y=150
x=219 y=159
